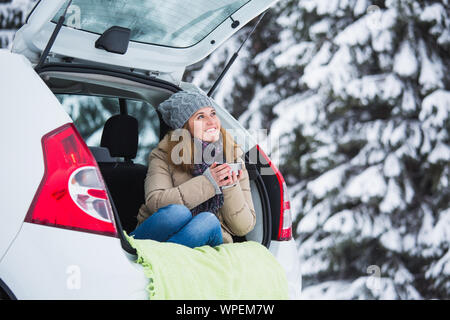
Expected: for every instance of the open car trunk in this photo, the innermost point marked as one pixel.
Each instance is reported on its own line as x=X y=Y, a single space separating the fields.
x=67 y=79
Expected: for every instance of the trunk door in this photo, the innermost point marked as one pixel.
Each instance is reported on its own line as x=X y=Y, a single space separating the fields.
x=165 y=36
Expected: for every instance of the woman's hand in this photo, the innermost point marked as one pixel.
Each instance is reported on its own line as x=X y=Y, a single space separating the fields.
x=223 y=176
x=235 y=177
x=221 y=173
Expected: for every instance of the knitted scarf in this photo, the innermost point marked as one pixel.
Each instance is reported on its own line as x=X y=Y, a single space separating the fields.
x=210 y=152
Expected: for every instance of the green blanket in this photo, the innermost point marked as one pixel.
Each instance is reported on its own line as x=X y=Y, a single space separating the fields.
x=244 y=270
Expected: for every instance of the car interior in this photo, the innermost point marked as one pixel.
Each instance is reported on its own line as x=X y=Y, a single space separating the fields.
x=119 y=143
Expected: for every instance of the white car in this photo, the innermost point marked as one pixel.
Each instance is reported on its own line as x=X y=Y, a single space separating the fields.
x=63 y=204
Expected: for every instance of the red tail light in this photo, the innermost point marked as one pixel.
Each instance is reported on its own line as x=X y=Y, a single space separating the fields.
x=285 y=228
x=72 y=193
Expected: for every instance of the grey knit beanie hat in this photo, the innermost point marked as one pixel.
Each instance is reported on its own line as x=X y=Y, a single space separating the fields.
x=177 y=110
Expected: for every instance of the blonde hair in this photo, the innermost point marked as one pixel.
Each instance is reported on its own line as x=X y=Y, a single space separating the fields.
x=184 y=150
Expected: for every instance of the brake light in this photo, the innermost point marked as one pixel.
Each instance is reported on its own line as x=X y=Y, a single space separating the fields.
x=285 y=227
x=72 y=193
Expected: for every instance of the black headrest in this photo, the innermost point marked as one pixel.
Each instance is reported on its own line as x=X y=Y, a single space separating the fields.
x=120 y=136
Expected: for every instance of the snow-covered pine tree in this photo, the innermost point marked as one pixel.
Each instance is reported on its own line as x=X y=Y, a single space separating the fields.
x=12 y=16
x=379 y=194
x=356 y=91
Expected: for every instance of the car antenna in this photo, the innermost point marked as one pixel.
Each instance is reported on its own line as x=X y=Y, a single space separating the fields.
x=233 y=58
x=52 y=38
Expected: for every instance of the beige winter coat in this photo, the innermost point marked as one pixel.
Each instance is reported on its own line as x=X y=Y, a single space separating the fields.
x=166 y=184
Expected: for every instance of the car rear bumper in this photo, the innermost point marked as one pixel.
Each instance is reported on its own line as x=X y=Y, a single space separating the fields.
x=52 y=263
x=286 y=254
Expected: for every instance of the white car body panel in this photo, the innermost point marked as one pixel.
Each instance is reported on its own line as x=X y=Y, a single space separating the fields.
x=32 y=38
x=29 y=110
x=286 y=254
x=53 y=263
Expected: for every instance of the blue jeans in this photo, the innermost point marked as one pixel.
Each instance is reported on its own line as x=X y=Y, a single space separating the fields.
x=174 y=223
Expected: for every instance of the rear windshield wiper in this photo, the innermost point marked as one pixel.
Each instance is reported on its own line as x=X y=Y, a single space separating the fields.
x=52 y=39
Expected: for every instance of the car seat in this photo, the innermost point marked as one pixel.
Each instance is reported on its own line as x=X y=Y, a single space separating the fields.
x=124 y=179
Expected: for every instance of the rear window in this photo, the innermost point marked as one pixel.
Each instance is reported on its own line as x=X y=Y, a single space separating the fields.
x=89 y=114
x=173 y=23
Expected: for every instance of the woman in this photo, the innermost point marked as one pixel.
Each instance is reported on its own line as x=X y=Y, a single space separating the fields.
x=191 y=196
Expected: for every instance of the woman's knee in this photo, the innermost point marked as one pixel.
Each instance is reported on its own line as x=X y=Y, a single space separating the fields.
x=178 y=210
x=210 y=221
x=174 y=216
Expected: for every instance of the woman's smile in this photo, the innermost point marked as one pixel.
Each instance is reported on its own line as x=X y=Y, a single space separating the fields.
x=211 y=130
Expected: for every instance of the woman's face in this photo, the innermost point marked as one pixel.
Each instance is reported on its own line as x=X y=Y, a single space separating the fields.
x=205 y=125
